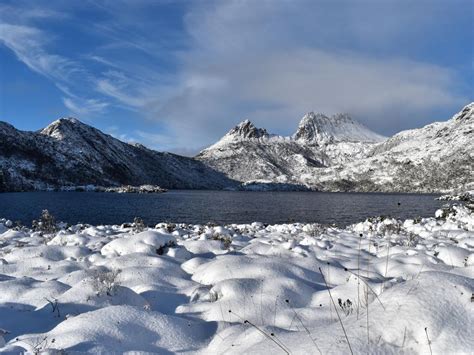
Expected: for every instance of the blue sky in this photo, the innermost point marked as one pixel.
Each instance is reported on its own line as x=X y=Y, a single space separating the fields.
x=177 y=75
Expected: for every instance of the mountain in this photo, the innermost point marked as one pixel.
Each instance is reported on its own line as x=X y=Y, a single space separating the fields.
x=339 y=154
x=437 y=157
x=259 y=156
x=247 y=153
x=69 y=152
x=321 y=129
x=325 y=153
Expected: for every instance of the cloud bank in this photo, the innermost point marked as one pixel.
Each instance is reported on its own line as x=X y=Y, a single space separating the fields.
x=268 y=61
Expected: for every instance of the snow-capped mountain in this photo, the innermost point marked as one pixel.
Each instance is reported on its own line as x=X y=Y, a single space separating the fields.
x=437 y=157
x=249 y=153
x=69 y=152
x=246 y=129
x=326 y=153
x=320 y=129
x=339 y=154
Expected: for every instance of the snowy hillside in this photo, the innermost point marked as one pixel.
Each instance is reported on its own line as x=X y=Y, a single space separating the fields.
x=379 y=286
x=69 y=152
x=256 y=155
x=437 y=157
x=247 y=153
x=339 y=154
x=320 y=129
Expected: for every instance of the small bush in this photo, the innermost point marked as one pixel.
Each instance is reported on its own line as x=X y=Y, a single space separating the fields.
x=411 y=240
x=54 y=306
x=390 y=229
x=224 y=239
x=18 y=226
x=46 y=223
x=106 y=282
x=315 y=230
x=138 y=225
x=170 y=227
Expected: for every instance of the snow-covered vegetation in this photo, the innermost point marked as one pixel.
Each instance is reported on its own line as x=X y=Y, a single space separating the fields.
x=379 y=286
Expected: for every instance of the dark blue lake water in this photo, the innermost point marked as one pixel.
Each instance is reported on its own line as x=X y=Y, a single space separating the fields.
x=221 y=207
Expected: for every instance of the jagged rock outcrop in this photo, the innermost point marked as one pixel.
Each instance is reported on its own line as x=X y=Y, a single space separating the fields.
x=246 y=129
x=320 y=129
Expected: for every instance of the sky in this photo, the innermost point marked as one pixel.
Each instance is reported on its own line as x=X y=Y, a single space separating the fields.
x=177 y=75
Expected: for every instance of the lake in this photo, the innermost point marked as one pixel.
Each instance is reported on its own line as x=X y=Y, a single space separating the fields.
x=222 y=207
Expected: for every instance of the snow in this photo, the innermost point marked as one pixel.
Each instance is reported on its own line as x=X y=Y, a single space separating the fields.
x=321 y=129
x=147 y=242
x=397 y=286
x=463 y=196
x=339 y=154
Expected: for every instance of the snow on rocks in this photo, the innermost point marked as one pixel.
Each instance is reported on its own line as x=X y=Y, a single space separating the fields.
x=467 y=196
x=398 y=286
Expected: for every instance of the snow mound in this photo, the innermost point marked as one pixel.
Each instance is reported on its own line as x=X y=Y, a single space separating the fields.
x=148 y=242
x=116 y=329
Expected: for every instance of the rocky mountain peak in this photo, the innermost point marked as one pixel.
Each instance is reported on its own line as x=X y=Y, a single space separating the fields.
x=309 y=128
x=317 y=128
x=68 y=127
x=247 y=129
x=467 y=113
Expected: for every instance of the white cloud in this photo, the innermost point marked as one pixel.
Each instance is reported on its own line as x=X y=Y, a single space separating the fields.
x=117 y=85
x=84 y=107
x=27 y=43
x=272 y=61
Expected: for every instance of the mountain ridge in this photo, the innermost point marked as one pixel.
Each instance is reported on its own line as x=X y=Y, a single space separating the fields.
x=319 y=141
x=323 y=154
x=435 y=158
x=68 y=152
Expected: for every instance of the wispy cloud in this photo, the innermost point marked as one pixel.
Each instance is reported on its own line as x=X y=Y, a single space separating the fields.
x=84 y=107
x=20 y=12
x=88 y=91
x=117 y=85
x=29 y=45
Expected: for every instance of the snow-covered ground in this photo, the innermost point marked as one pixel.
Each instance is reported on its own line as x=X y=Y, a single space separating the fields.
x=379 y=286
